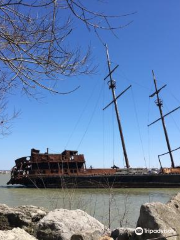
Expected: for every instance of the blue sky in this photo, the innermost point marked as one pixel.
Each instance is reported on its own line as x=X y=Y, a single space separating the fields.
x=77 y=122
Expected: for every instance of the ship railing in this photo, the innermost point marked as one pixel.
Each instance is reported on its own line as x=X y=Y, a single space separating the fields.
x=163 y=154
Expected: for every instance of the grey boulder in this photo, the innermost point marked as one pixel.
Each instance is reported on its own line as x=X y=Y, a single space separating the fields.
x=25 y=217
x=63 y=224
x=15 y=234
x=163 y=220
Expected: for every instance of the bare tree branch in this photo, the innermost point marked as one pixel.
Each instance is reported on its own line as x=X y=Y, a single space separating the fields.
x=34 y=53
x=6 y=119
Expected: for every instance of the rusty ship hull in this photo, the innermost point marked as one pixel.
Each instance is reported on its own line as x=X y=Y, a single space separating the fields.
x=125 y=181
x=68 y=170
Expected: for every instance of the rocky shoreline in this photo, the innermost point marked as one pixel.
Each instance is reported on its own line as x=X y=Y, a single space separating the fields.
x=156 y=221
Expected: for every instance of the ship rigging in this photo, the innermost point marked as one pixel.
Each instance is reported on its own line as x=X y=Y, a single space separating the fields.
x=159 y=104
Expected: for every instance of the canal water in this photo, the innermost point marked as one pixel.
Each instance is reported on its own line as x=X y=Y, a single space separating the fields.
x=117 y=207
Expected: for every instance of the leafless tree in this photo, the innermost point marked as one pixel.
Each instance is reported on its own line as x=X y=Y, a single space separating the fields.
x=34 y=52
x=6 y=119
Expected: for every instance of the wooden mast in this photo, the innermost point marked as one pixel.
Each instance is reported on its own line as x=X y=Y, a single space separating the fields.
x=159 y=103
x=112 y=86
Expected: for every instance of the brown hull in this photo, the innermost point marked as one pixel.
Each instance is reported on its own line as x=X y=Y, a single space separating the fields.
x=115 y=181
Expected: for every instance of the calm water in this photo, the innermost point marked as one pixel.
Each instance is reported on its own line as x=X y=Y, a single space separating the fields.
x=104 y=204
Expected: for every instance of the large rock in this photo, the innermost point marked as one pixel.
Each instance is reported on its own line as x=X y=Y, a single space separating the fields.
x=106 y=238
x=25 y=217
x=163 y=220
x=15 y=234
x=63 y=224
x=123 y=233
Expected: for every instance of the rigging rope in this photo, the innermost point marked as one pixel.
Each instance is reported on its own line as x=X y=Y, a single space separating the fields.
x=90 y=120
x=170 y=92
x=113 y=130
x=135 y=110
x=137 y=120
x=174 y=97
x=149 y=155
x=122 y=74
x=172 y=118
x=149 y=139
x=103 y=126
x=80 y=117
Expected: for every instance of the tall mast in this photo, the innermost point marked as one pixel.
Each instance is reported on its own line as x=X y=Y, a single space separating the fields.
x=112 y=86
x=159 y=103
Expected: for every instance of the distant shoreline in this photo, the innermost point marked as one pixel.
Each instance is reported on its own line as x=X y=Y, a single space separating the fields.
x=4 y=171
